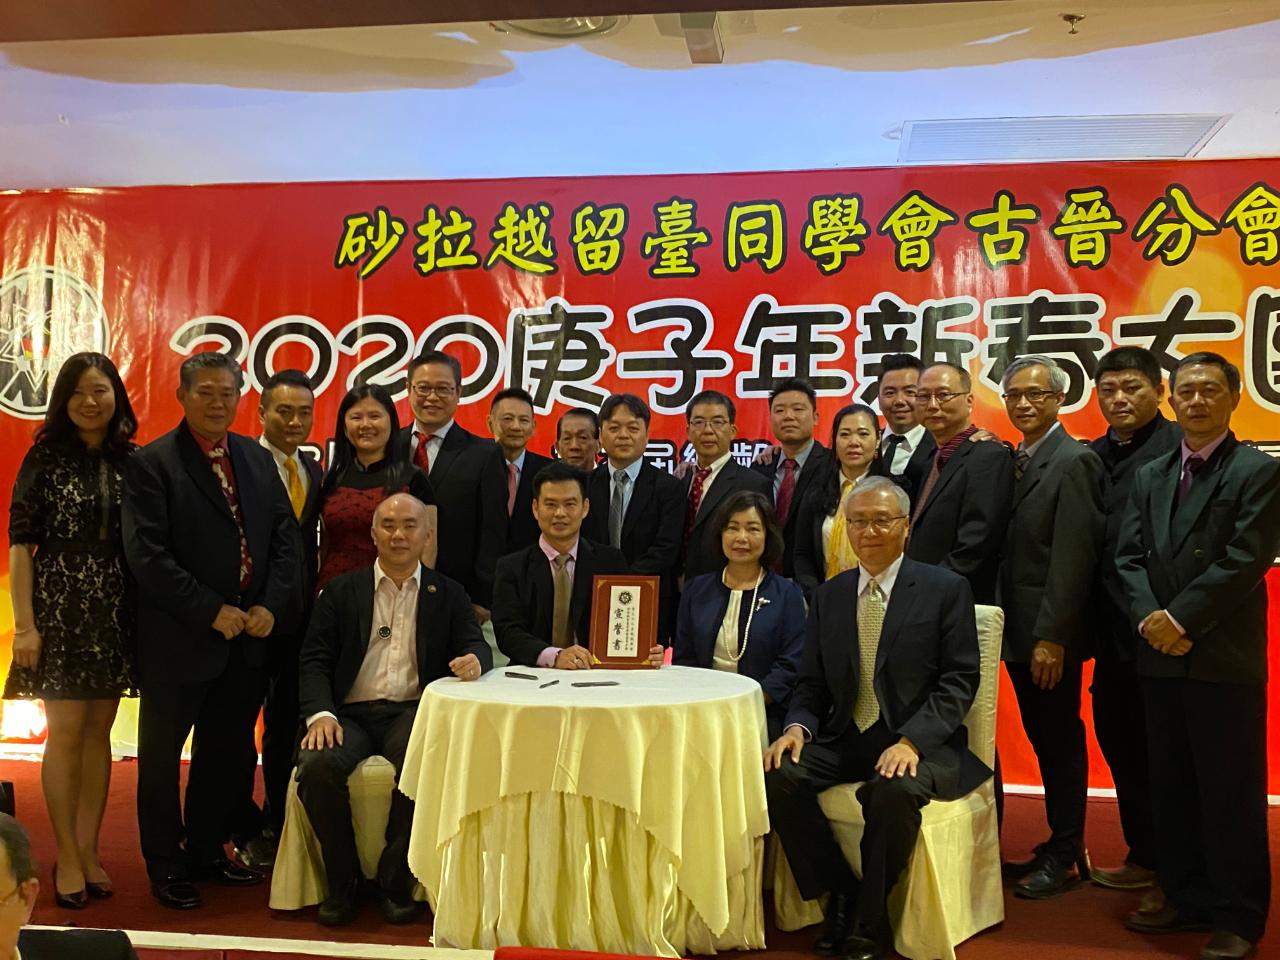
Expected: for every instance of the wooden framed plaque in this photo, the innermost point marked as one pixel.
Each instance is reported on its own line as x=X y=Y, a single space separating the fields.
x=624 y=619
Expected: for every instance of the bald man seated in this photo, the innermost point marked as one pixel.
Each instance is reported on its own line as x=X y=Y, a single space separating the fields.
x=377 y=637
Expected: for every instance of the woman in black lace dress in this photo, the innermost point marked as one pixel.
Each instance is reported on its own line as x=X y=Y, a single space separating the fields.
x=72 y=645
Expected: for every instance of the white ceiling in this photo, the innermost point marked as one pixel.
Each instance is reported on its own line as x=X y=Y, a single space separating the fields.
x=797 y=89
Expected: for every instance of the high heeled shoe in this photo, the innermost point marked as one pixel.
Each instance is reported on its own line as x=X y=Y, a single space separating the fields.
x=69 y=901
x=99 y=891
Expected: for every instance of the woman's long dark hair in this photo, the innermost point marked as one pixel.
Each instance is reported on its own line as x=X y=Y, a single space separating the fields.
x=742 y=500
x=825 y=490
x=58 y=430
x=344 y=453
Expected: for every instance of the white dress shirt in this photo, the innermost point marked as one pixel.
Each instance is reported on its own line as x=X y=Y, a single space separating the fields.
x=433 y=445
x=304 y=475
x=909 y=445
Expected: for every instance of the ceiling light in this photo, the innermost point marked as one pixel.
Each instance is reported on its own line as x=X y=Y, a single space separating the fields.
x=562 y=28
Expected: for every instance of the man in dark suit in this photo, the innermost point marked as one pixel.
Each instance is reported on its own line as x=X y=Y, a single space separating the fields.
x=454 y=460
x=1130 y=386
x=793 y=415
x=578 y=438
x=711 y=428
x=377 y=638
x=890 y=668
x=906 y=447
x=19 y=889
x=542 y=594
x=960 y=513
x=286 y=413
x=213 y=544
x=639 y=509
x=1202 y=530
x=1050 y=557
x=506 y=485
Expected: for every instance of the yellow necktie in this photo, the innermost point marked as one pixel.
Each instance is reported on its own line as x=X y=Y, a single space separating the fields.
x=866 y=708
x=297 y=495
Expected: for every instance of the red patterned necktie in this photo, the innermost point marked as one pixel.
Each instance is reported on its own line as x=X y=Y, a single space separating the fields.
x=695 y=500
x=421 y=458
x=217 y=458
x=786 y=490
x=511 y=488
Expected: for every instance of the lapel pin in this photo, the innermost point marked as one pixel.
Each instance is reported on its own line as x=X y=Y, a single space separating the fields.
x=431 y=588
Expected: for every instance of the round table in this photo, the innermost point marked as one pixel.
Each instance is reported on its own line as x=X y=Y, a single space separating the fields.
x=625 y=819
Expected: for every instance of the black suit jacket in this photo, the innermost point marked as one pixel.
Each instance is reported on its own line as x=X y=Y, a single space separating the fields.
x=963 y=524
x=651 y=530
x=455 y=479
x=501 y=533
x=308 y=527
x=1206 y=562
x=524 y=598
x=75 y=945
x=338 y=636
x=1113 y=634
x=814 y=465
x=1051 y=549
x=183 y=549
x=912 y=478
x=702 y=553
x=927 y=669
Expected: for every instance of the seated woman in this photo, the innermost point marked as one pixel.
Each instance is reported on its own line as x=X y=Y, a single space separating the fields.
x=366 y=469
x=745 y=619
x=822 y=543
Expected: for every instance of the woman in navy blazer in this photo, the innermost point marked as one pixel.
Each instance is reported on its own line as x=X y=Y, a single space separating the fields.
x=745 y=618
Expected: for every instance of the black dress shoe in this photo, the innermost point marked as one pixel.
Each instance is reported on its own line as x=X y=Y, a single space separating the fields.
x=99 y=891
x=176 y=893
x=1224 y=945
x=226 y=873
x=398 y=908
x=862 y=944
x=1017 y=869
x=1053 y=876
x=1165 y=920
x=342 y=905
x=260 y=852
x=836 y=923
x=77 y=900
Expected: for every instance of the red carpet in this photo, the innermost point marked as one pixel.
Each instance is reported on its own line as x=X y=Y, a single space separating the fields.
x=1084 y=923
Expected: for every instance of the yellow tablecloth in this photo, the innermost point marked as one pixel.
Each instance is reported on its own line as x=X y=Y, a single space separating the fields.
x=626 y=818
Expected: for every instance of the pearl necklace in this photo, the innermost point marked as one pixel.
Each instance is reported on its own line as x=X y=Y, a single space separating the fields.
x=751 y=612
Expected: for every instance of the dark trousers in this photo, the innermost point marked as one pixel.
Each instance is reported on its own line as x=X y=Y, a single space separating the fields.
x=890 y=808
x=1051 y=719
x=221 y=711
x=377 y=728
x=1120 y=721
x=1207 y=745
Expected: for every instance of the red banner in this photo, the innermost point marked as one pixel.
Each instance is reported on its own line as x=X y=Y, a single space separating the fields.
x=575 y=288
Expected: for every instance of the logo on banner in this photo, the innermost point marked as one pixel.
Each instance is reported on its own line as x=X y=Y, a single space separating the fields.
x=46 y=315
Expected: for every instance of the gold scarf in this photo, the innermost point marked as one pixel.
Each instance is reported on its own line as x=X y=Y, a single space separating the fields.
x=840 y=555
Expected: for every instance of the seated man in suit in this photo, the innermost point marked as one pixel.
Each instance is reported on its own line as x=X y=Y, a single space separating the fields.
x=542 y=594
x=377 y=637
x=18 y=891
x=890 y=668
x=639 y=508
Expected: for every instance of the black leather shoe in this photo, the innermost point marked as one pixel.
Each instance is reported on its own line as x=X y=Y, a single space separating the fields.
x=260 y=852
x=836 y=924
x=1224 y=945
x=1165 y=920
x=861 y=944
x=176 y=893
x=1017 y=869
x=1052 y=877
x=397 y=908
x=226 y=873
x=342 y=905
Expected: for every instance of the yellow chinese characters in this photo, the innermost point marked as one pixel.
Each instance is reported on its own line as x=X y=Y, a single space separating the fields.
x=1086 y=223
x=1002 y=241
x=676 y=237
x=1171 y=225
x=522 y=238
x=913 y=223
x=755 y=231
x=446 y=241
x=597 y=237
x=835 y=230
x=368 y=240
x=1256 y=217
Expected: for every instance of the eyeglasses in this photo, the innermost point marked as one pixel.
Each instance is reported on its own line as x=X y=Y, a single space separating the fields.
x=876 y=525
x=942 y=396
x=1034 y=397
x=427 y=389
x=716 y=423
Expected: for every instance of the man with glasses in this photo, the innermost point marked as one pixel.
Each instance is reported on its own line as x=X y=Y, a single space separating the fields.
x=636 y=507
x=886 y=709
x=959 y=515
x=1051 y=552
x=711 y=429
x=453 y=459
x=906 y=447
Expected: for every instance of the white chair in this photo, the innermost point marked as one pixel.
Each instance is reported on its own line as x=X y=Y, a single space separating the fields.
x=951 y=888
x=298 y=878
